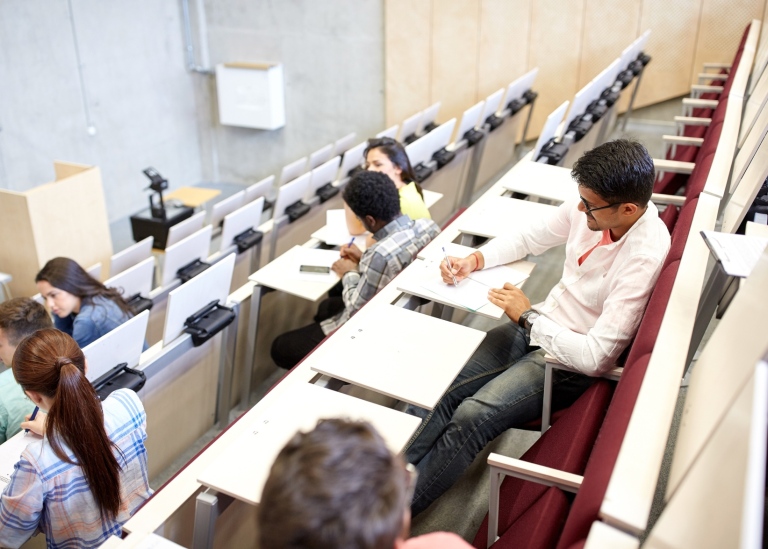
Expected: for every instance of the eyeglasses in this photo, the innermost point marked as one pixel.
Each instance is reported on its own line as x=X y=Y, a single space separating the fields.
x=590 y=210
x=413 y=475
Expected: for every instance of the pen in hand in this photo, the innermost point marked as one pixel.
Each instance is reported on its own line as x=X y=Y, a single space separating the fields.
x=32 y=417
x=450 y=267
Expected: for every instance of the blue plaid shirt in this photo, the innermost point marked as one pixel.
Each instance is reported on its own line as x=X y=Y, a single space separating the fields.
x=48 y=494
x=397 y=244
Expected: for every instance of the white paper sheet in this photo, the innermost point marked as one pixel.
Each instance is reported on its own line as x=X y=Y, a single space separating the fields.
x=737 y=253
x=469 y=293
x=335 y=231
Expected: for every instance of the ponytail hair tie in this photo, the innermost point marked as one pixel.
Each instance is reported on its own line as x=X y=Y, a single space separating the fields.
x=61 y=361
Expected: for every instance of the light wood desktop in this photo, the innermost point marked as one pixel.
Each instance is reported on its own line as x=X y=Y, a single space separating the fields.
x=416 y=365
x=243 y=469
x=192 y=196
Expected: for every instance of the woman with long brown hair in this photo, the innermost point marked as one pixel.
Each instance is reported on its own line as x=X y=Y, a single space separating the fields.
x=88 y=474
x=82 y=306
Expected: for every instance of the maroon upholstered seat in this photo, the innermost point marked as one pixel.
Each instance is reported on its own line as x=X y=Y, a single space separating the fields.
x=540 y=526
x=669 y=217
x=565 y=446
x=680 y=232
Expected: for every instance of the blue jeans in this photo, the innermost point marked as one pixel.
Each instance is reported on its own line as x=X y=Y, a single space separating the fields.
x=500 y=387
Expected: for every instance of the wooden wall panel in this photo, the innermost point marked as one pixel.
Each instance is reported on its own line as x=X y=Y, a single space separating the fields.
x=555 y=45
x=503 y=38
x=454 y=55
x=609 y=27
x=720 y=29
x=672 y=46
x=407 y=58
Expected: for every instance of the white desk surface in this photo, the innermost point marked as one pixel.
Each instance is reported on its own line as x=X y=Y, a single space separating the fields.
x=431 y=197
x=756 y=229
x=243 y=469
x=416 y=363
x=413 y=277
x=498 y=215
x=541 y=180
x=273 y=275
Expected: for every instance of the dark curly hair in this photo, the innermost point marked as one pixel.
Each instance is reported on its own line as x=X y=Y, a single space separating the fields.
x=620 y=171
x=374 y=194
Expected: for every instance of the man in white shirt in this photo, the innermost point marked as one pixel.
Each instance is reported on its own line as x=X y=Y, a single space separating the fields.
x=615 y=247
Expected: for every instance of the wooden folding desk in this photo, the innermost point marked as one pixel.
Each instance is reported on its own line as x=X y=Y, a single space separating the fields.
x=192 y=196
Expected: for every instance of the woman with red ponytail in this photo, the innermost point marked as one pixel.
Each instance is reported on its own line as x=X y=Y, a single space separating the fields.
x=88 y=474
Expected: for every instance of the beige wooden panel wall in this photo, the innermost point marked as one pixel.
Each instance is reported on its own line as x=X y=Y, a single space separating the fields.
x=459 y=52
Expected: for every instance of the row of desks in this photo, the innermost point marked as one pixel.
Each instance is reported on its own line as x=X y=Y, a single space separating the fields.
x=385 y=347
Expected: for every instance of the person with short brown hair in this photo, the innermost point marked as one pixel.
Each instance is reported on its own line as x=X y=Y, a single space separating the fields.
x=19 y=318
x=339 y=485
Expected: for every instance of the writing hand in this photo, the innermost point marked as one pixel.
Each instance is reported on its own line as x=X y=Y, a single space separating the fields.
x=461 y=269
x=511 y=299
x=352 y=253
x=343 y=266
x=38 y=425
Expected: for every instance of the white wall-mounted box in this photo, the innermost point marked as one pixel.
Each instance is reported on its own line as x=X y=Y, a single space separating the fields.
x=251 y=95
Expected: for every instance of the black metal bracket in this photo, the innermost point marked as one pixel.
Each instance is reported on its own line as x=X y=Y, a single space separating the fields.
x=119 y=377
x=296 y=210
x=473 y=137
x=208 y=321
x=191 y=270
x=443 y=157
x=421 y=172
x=138 y=304
x=248 y=239
x=327 y=192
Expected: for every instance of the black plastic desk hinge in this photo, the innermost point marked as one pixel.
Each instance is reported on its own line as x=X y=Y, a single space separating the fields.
x=625 y=77
x=208 y=321
x=473 y=137
x=553 y=151
x=410 y=138
x=597 y=109
x=191 y=270
x=119 y=377
x=515 y=105
x=421 y=172
x=248 y=239
x=429 y=127
x=494 y=121
x=326 y=192
x=644 y=58
x=636 y=66
x=530 y=96
x=357 y=169
x=610 y=96
x=443 y=157
x=579 y=126
x=296 y=210
x=138 y=304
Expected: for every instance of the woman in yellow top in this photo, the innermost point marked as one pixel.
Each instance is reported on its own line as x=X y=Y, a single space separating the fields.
x=387 y=156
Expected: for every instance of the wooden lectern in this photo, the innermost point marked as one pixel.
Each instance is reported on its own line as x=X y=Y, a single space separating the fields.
x=67 y=218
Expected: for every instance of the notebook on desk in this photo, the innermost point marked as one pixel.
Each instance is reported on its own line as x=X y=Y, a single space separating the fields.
x=242 y=470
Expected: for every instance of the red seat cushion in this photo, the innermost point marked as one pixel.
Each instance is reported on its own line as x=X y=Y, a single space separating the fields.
x=565 y=446
x=540 y=526
x=669 y=216
x=680 y=232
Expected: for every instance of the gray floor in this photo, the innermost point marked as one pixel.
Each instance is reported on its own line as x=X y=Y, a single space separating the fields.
x=463 y=507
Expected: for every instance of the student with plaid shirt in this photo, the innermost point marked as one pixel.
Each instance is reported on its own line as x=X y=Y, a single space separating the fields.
x=374 y=199
x=88 y=474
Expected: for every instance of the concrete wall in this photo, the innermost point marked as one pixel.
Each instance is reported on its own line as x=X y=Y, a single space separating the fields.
x=135 y=92
x=333 y=56
x=148 y=110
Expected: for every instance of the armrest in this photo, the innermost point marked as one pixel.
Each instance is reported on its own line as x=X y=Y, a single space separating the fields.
x=700 y=102
x=674 y=166
x=706 y=88
x=552 y=363
x=726 y=66
x=692 y=121
x=669 y=199
x=709 y=76
x=501 y=466
x=683 y=140
x=540 y=474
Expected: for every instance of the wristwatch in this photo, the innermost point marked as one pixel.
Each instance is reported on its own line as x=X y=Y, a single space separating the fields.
x=527 y=318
